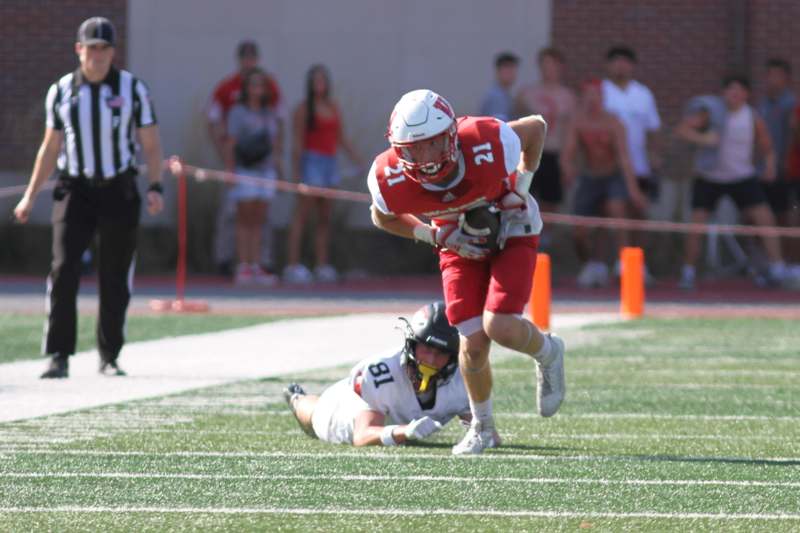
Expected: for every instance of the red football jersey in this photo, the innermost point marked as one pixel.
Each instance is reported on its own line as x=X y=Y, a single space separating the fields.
x=489 y=152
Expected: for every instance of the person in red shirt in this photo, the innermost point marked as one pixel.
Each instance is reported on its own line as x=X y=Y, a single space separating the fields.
x=226 y=94
x=441 y=168
x=228 y=91
x=317 y=135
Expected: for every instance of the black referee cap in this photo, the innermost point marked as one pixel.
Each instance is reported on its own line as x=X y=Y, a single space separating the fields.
x=96 y=30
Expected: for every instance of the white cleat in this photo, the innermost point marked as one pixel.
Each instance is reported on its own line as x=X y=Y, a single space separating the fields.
x=550 y=380
x=476 y=440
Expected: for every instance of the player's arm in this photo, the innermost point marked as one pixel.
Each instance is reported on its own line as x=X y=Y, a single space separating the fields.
x=43 y=167
x=764 y=142
x=531 y=131
x=624 y=161
x=400 y=225
x=368 y=430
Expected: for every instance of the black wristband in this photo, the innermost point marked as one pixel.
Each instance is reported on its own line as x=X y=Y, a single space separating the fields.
x=155 y=187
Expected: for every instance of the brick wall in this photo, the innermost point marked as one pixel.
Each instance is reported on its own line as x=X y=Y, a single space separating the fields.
x=685 y=47
x=774 y=33
x=38 y=47
x=682 y=45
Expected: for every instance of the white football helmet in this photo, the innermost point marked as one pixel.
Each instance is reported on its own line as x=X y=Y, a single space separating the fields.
x=422 y=131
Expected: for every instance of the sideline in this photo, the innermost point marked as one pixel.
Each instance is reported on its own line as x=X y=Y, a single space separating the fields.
x=177 y=364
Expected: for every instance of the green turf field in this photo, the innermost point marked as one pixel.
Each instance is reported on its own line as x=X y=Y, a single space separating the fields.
x=22 y=334
x=669 y=425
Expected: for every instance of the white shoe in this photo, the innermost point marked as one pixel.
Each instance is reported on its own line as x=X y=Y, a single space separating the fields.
x=326 y=274
x=263 y=278
x=649 y=280
x=476 y=440
x=687 y=281
x=297 y=274
x=244 y=275
x=593 y=274
x=551 y=385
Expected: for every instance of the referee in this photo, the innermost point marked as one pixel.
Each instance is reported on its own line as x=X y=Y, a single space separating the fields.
x=92 y=116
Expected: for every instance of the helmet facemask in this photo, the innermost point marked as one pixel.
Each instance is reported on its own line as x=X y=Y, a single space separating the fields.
x=422 y=375
x=429 y=160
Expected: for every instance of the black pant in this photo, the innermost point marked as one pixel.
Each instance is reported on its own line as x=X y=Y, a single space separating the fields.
x=80 y=208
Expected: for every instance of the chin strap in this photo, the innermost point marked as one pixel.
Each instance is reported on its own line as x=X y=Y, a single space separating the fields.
x=427 y=373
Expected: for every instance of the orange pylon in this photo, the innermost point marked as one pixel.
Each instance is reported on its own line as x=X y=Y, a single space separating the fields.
x=539 y=303
x=632 y=282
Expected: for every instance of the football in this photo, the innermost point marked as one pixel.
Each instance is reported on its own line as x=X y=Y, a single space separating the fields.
x=482 y=221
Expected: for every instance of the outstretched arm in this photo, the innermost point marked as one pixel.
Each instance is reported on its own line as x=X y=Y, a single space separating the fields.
x=369 y=430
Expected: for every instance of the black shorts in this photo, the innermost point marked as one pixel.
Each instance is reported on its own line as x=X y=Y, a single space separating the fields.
x=546 y=184
x=745 y=193
x=779 y=193
x=649 y=187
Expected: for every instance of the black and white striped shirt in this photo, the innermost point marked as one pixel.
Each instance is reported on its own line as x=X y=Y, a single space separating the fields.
x=98 y=122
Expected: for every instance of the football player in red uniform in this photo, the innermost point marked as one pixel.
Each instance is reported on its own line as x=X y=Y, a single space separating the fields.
x=440 y=167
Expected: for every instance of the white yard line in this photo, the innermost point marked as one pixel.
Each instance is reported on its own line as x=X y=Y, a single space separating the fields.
x=402 y=512
x=376 y=478
x=69 y=435
x=337 y=454
x=177 y=364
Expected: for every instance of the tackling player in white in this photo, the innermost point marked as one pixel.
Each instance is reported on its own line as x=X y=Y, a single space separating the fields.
x=417 y=390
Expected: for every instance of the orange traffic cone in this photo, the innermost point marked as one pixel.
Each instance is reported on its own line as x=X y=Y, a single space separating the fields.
x=539 y=303
x=632 y=282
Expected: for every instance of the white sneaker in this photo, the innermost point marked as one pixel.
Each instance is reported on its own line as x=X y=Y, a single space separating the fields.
x=551 y=385
x=244 y=275
x=326 y=274
x=687 y=281
x=649 y=280
x=297 y=274
x=476 y=440
x=262 y=277
x=593 y=274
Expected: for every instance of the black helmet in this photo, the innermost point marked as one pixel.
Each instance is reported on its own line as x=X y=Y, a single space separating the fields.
x=429 y=325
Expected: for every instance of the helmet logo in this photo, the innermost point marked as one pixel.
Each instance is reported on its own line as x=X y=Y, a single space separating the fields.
x=442 y=105
x=436 y=340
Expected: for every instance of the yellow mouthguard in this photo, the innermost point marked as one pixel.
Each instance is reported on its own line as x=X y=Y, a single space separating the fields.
x=427 y=372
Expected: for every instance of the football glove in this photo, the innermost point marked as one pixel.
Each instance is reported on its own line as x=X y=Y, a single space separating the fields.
x=422 y=428
x=454 y=238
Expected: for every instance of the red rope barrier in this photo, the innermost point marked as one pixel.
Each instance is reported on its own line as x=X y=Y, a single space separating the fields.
x=178 y=167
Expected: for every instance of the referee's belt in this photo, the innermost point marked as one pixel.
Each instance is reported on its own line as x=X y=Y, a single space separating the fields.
x=98 y=182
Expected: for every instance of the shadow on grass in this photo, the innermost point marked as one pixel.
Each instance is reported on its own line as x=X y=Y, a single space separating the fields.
x=719 y=460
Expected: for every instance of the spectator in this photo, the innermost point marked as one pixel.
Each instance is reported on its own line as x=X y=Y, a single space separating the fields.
x=253 y=147
x=793 y=183
x=634 y=104
x=498 y=101
x=556 y=103
x=607 y=181
x=225 y=96
x=726 y=130
x=317 y=136
x=776 y=109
